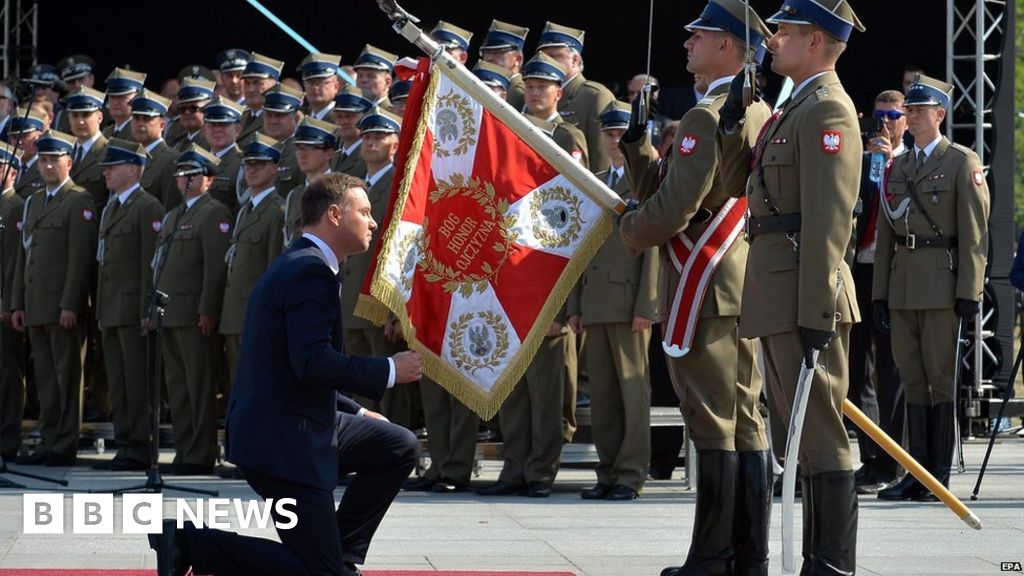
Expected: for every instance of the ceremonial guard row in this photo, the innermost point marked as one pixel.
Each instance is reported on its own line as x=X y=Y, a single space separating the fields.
x=739 y=244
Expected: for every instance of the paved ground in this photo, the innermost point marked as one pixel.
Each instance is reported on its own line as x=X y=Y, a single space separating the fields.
x=603 y=539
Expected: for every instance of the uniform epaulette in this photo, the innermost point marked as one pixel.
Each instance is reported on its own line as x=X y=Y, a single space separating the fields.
x=706 y=101
x=961 y=148
x=594 y=86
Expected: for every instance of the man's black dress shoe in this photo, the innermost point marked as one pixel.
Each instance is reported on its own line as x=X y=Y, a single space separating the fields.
x=621 y=492
x=538 y=490
x=421 y=484
x=598 y=492
x=446 y=486
x=171 y=550
x=500 y=488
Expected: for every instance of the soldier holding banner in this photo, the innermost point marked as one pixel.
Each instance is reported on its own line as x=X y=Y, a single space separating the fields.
x=799 y=296
x=695 y=212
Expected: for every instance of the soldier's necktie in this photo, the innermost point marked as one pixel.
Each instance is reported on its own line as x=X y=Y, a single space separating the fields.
x=921 y=159
x=114 y=205
x=614 y=179
x=78 y=154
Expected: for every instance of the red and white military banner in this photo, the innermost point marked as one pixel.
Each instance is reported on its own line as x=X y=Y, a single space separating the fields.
x=483 y=242
x=696 y=263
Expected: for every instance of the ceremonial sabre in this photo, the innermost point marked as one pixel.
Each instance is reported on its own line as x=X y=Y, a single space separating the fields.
x=293 y=34
x=796 y=428
x=749 y=67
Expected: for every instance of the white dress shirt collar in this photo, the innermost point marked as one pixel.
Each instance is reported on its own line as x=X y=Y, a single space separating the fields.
x=332 y=259
x=371 y=179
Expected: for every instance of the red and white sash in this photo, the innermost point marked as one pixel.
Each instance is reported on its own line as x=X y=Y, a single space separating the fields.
x=696 y=264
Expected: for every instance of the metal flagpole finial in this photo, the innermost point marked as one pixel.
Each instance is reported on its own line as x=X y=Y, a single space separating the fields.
x=396 y=13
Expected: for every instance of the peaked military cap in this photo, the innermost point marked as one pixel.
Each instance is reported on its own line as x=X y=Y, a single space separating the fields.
x=123 y=81
x=120 y=151
x=222 y=110
x=616 y=115
x=232 y=59
x=380 y=120
x=54 y=143
x=20 y=123
x=556 y=35
x=75 y=67
x=195 y=90
x=399 y=90
x=544 y=67
x=451 y=36
x=833 y=16
x=493 y=75
x=351 y=99
x=43 y=75
x=195 y=156
x=730 y=16
x=197 y=72
x=84 y=99
x=263 y=67
x=149 y=103
x=927 y=91
x=318 y=65
x=376 y=59
x=262 y=148
x=505 y=36
x=313 y=132
x=9 y=155
x=282 y=99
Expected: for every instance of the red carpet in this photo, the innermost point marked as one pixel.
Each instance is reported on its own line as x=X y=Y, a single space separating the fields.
x=67 y=572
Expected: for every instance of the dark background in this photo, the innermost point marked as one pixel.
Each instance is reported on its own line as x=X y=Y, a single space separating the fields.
x=163 y=36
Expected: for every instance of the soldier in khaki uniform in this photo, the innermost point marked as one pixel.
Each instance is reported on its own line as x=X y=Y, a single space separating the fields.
x=148 y=110
x=24 y=131
x=930 y=273
x=127 y=239
x=257 y=239
x=321 y=82
x=399 y=95
x=261 y=74
x=374 y=68
x=349 y=107
x=616 y=302
x=280 y=118
x=122 y=86
x=84 y=109
x=715 y=375
x=12 y=343
x=231 y=63
x=582 y=100
x=380 y=130
x=50 y=296
x=798 y=296
x=503 y=46
x=189 y=268
x=187 y=129
x=221 y=126
x=315 y=143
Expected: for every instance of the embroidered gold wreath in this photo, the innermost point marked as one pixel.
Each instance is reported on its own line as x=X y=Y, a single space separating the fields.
x=466 y=283
x=478 y=336
x=541 y=214
x=453 y=110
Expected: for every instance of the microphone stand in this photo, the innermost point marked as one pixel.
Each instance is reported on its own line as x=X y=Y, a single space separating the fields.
x=3 y=227
x=156 y=308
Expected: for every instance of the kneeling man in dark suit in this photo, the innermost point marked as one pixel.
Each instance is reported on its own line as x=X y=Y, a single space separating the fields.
x=291 y=429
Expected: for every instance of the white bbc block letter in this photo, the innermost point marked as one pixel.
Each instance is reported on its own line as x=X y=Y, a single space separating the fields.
x=142 y=513
x=42 y=514
x=92 y=514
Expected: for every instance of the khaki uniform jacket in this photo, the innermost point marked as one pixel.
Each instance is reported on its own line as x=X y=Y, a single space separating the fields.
x=257 y=240
x=12 y=208
x=225 y=182
x=195 y=271
x=516 y=93
x=581 y=105
x=125 y=133
x=351 y=164
x=811 y=165
x=177 y=138
x=52 y=272
x=951 y=186
x=127 y=241
x=565 y=135
x=355 y=267
x=89 y=174
x=693 y=182
x=288 y=173
x=615 y=287
x=30 y=181
x=251 y=124
x=158 y=176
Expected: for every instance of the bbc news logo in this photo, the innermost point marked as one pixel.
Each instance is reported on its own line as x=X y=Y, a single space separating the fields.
x=143 y=513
